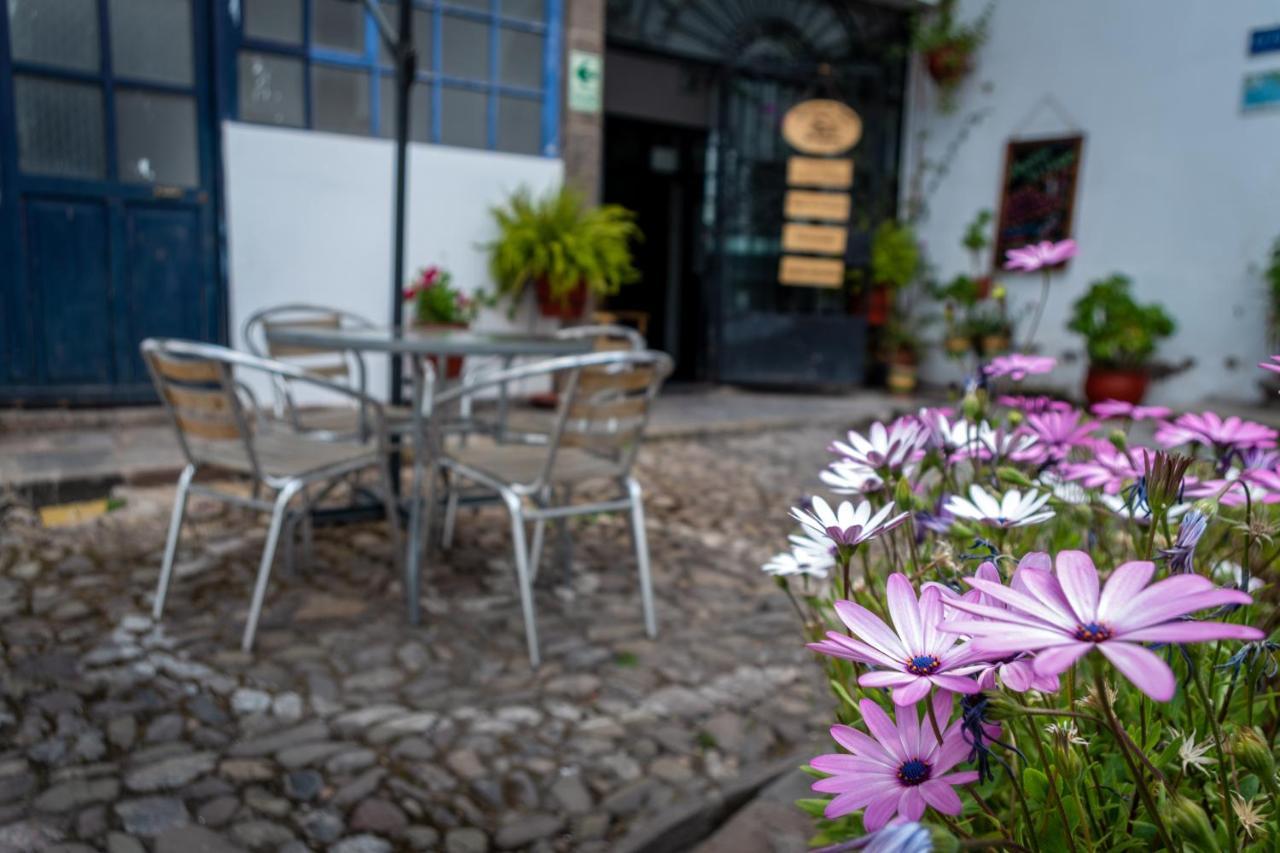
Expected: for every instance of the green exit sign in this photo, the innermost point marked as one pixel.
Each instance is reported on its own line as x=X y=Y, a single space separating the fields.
x=586 y=79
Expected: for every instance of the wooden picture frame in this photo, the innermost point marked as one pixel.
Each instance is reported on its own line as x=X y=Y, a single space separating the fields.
x=1037 y=192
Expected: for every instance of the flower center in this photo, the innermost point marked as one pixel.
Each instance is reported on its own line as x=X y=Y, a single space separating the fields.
x=913 y=772
x=1093 y=632
x=923 y=665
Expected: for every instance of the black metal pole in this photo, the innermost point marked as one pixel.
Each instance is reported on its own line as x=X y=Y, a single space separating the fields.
x=406 y=68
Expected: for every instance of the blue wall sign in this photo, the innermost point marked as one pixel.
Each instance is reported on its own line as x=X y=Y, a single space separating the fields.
x=1264 y=41
x=1262 y=90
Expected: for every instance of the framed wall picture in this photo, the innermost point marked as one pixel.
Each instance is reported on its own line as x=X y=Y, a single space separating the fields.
x=1038 y=193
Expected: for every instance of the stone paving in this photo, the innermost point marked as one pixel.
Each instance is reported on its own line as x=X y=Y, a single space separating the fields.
x=349 y=731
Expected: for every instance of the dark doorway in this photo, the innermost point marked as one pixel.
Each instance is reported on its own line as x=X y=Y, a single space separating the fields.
x=658 y=170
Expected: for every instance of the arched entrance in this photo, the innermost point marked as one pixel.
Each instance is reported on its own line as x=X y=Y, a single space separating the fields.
x=695 y=94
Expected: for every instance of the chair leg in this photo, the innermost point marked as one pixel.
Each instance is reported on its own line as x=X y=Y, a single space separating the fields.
x=278 y=513
x=565 y=543
x=450 y=512
x=171 y=543
x=642 y=556
x=539 y=536
x=523 y=578
x=393 y=515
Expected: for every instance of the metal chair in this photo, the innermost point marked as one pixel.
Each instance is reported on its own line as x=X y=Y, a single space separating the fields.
x=600 y=421
x=216 y=418
x=343 y=367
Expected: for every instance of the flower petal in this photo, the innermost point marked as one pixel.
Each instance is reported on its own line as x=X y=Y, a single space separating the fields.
x=1142 y=667
x=1125 y=582
x=905 y=612
x=1191 y=632
x=1078 y=579
x=942 y=797
x=1055 y=661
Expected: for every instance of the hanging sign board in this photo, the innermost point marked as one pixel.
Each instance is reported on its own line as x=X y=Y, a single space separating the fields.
x=803 y=271
x=819 y=239
x=1038 y=195
x=586 y=74
x=836 y=174
x=821 y=126
x=808 y=204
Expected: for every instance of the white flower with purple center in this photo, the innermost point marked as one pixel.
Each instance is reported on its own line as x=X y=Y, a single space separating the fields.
x=846 y=525
x=1012 y=509
x=883 y=447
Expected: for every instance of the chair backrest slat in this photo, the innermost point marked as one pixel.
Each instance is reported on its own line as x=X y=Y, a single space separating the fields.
x=283 y=351
x=607 y=407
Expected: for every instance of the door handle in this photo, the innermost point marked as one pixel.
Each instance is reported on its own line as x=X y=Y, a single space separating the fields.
x=172 y=193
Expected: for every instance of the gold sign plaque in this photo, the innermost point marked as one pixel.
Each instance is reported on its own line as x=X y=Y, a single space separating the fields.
x=821 y=126
x=817 y=172
x=807 y=204
x=800 y=271
x=819 y=239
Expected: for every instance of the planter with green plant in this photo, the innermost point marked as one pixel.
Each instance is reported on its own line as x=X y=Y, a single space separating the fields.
x=1121 y=337
x=948 y=47
x=437 y=304
x=895 y=261
x=563 y=248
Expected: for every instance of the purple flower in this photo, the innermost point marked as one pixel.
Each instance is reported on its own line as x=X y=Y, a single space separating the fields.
x=1109 y=470
x=1221 y=434
x=846 y=525
x=1017 y=366
x=1182 y=554
x=1057 y=433
x=898 y=769
x=1109 y=409
x=1062 y=616
x=914 y=656
x=1034 y=405
x=1273 y=364
x=1037 y=256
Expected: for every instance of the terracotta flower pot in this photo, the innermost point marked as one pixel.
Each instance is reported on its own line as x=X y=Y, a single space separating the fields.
x=902 y=377
x=957 y=344
x=948 y=64
x=994 y=344
x=1107 y=383
x=879 y=303
x=570 y=308
x=452 y=363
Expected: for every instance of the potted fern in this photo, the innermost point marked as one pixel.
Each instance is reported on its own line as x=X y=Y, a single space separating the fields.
x=563 y=248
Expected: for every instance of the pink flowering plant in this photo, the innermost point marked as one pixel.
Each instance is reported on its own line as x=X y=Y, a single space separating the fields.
x=436 y=301
x=1045 y=629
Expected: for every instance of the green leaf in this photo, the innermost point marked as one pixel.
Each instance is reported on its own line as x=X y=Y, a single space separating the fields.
x=1035 y=783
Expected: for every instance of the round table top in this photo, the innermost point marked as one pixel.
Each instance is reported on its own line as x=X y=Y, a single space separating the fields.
x=414 y=341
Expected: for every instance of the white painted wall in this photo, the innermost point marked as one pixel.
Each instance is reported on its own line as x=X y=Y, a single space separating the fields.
x=1178 y=188
x=309 y=219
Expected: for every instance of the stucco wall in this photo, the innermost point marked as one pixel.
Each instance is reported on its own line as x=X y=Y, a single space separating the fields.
x=1178 y=188
x=309 y=219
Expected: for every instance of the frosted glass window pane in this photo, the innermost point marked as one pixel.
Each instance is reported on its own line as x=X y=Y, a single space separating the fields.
x=277 y=20
x=419 y=110
x=463 y=117
x=340 y=100
x=478 y=5
x=270 y=89
x=520 y=60
x=421 y=36
x=151 y=40
x=59 y=128
x=156 y=139
x=55 y=32
x=465 y=49
x=525 y=10
x=338 y=24
x=519 y=125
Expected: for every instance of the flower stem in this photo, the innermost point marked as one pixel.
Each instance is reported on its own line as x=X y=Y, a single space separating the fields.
x=1138 y=780
x=1053 y=785
x=1228 y=813
x=1035 y=320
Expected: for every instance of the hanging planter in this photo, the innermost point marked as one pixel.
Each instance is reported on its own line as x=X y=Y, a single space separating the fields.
x=948 y=48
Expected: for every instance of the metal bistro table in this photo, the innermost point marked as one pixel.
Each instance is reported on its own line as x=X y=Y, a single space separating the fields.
x=419 y=345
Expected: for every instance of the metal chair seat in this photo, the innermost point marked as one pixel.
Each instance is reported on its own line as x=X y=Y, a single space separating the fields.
x=523 y=463
x=287 y=455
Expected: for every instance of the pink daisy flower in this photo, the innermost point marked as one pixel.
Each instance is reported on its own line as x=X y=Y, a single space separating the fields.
x=1272 y=364
x=898 y=769
x=1057 y=434
x=914 y=655
x=1034 y=405
x=1062 y=616
x=1109 y=469
x=1018 y=366
x=1037 y=256
x=1256 y=473
x=1112 y=409
x=1211 y=430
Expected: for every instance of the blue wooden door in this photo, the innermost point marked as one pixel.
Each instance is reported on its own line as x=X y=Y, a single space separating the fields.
x=108 y=221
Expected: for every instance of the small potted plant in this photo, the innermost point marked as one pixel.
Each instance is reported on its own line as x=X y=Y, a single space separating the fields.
x=437 y=304
x=895 y=260
x=948 y=47
x=563 y=248
x=1121 y=337
x=1271 y=274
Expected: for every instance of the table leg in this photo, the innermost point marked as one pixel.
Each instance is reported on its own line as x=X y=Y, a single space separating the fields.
x=503 y=403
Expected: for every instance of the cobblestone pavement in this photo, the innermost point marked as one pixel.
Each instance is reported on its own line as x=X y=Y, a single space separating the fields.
x=347 y=730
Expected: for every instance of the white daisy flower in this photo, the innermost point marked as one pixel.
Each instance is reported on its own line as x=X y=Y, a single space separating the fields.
x=951 y=436
x=1229 y=571
x=1013 y=509
x=846 y=525
x=883 y=447
x=787 y=564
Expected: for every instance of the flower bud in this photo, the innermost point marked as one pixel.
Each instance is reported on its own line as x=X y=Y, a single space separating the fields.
x=1164 y=473
x=1016 y=417
x=1206 y=507
x=1190 y=824
x=943 y=840
x=963 y=530
x=1000 y=706
x=1253 y=753
x=903 y=495
x=972 y=405
x=1118 y=440
x=1014 y=477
